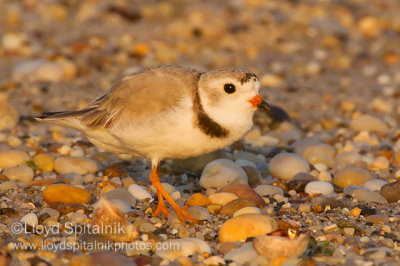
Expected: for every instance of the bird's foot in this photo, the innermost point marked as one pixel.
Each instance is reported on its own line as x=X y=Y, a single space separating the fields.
x=184 y=216
x=161 y=208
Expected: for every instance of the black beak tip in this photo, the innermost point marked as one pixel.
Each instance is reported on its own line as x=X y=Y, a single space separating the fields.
x=265 y=107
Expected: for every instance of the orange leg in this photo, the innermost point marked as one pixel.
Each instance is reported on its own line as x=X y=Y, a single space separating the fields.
x=161 y=208
x=162 y=193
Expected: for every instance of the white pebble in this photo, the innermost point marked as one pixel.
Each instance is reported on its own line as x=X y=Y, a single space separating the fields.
x=168 y=187
x=30 y=219
x=121 y=205
x=139 y=192
x=79 y=165
x=374 y=184
x=243 y=255
x=199 y=213
x=186 y=247
x=64 y=150
x=319 y=187
x=246 y=210
x=268 y=190
x=78 y=218
x=325 y=176
x=77 y=152
x=286 y=165
x=222 y=172
x=120 y=194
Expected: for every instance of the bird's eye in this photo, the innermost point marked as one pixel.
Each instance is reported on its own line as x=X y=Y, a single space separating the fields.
x=229 y=88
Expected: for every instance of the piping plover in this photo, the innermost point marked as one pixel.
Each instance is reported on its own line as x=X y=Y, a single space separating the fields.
x=169 y=112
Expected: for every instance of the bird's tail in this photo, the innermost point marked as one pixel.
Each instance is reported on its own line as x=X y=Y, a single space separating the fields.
x=64 y=118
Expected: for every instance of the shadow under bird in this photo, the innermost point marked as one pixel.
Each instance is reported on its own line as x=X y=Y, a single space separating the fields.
x=169 y=112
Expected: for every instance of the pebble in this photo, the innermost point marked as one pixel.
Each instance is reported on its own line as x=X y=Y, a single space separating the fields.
x=247 y=225
x=244 y=192
x=168 y=187
x=8 y=114
x=243 y=255
x=246 y=210
x=139 y=192
x=19 y=173
x=268 y=190
x=380 y=163
x=214 y=260
x=120 y=194
x=198 y=199
x=286 y=165
x=345 y=159
x=50 y=211
x=325 y=176
x=222 y=172
x=222 y=198
x=349 y=231
x=364 y=195
x=349 y=190
x=77 y=165
x=12 y=158
x=319 y=187
x=368 y=123
x=377 y=218
x=351 y=176
x=39 y=70
x=66 y=194
x=104 y=258
x=274 y=247
x=355 y=212
x=237 y=204
x=147 y=228
x=304 y=207
x=253 y=175
x=30 y=219
x=78 y=218
x=391 y=191
x=8 y=185
x=74 y=179
x=365 y=136
x=122 y=206
x=186 y=247
x=374 y=184
x=200 y=213
x=44 y=162
x=315 y=152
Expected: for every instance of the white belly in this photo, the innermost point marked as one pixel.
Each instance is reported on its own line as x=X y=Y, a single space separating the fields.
x=172 y=136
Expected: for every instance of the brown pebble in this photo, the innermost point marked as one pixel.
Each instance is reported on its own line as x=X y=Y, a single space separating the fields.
x=237 y=204
x=66 y=194
x=253 y=175
x=127 y=181
x=244 y=192
x=198 y=199
x=214 y=208
x=80 y=260
x=377 y=218
x=67 y=208
x=228 y=246
x=355 y=212
x=115 y=170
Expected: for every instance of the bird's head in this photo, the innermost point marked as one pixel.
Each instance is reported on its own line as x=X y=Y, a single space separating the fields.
x=230 y=96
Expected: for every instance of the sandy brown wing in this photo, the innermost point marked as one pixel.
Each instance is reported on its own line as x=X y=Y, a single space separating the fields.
x=141 y=96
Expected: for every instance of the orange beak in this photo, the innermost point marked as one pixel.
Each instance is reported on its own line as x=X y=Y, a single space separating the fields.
x=255 y=101
x=259 y=103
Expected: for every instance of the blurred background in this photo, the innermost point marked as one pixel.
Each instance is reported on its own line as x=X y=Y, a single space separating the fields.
x=317 y=59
